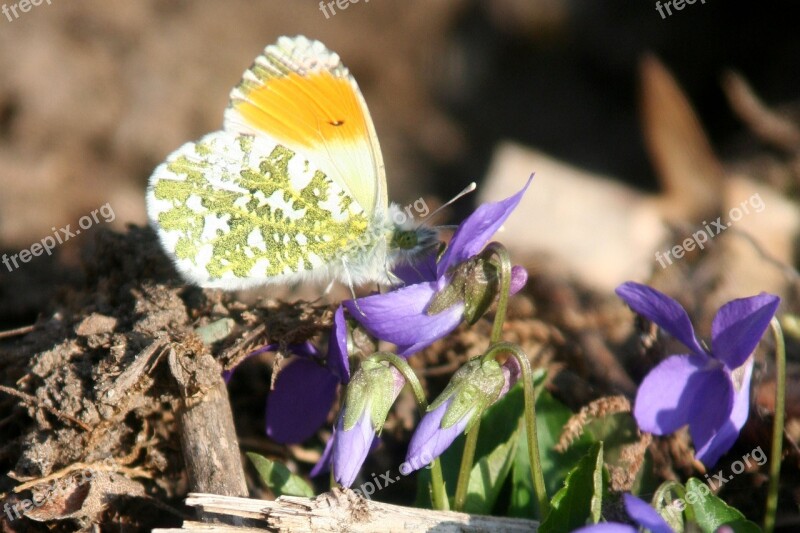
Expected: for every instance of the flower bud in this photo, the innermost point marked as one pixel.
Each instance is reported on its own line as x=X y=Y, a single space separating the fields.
x=473 y=388
x=370 y=394
x=474 y=283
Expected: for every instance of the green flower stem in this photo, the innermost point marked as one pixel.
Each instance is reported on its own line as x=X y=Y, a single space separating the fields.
x=471 y=442
x=505 y=289
x=777 y=426
x=464 y=471
x=438 y=494
x=530 y=420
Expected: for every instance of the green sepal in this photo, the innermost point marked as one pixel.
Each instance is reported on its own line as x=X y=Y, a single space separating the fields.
x=475 y=386
x=372 y=387
x=481 y=289
x=473 y=283
x=452 y=294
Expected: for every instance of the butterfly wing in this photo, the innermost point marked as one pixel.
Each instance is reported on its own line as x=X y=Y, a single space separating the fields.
x=238 y=210
x=299 y=94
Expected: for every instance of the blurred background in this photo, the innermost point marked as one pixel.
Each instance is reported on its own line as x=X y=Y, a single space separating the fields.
x=94 y=94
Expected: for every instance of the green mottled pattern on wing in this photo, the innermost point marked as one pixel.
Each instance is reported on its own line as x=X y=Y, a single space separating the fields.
x=246 y=209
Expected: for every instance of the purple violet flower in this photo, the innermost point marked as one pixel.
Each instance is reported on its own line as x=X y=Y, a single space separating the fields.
x=641 y=513
x=474 y=387
x=707 y=389
x=400 y=316
x=305 y=389
x=301 y=399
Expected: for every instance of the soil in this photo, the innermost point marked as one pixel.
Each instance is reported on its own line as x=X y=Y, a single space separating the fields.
x=95 y=94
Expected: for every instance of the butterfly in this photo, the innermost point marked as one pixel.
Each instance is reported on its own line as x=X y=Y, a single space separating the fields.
x=292 y=189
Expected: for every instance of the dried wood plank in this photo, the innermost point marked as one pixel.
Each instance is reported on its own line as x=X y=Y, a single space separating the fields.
x=336 y=511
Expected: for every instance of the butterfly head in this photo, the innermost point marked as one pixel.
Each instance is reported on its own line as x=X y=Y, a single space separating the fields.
x=409 y=239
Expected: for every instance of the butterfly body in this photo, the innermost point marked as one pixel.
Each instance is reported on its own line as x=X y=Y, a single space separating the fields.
x=291 y=190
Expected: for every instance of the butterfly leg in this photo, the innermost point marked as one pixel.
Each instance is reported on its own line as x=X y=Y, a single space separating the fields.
x=350 y=284
x=327 y=290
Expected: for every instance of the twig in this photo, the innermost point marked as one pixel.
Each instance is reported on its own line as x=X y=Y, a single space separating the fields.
x=35 y=402
x=17 y=331
x=764 y=122
x=98 y=466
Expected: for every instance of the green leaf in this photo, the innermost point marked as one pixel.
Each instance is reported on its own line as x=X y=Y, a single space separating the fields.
x=280 y=479
x=711 y=512
x=581 y=498
x=551 y=416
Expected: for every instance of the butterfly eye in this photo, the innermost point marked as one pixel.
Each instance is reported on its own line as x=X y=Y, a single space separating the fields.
x=405 y=240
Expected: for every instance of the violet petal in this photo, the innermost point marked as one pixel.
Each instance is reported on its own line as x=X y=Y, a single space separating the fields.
x=298 y=406
x=741 y=400
x=474 y=233
x=338 y=360
x=399 y=317
x=644 y=515
x=351 y=448
x=419 y=272
x=659 y=308
x=519 y=277
x=675 y=390
x=738 y=327
x=430 y=440
x=324 y=463
x=716 y=429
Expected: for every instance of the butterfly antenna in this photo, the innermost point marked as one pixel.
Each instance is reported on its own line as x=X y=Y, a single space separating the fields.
x=468 y=189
